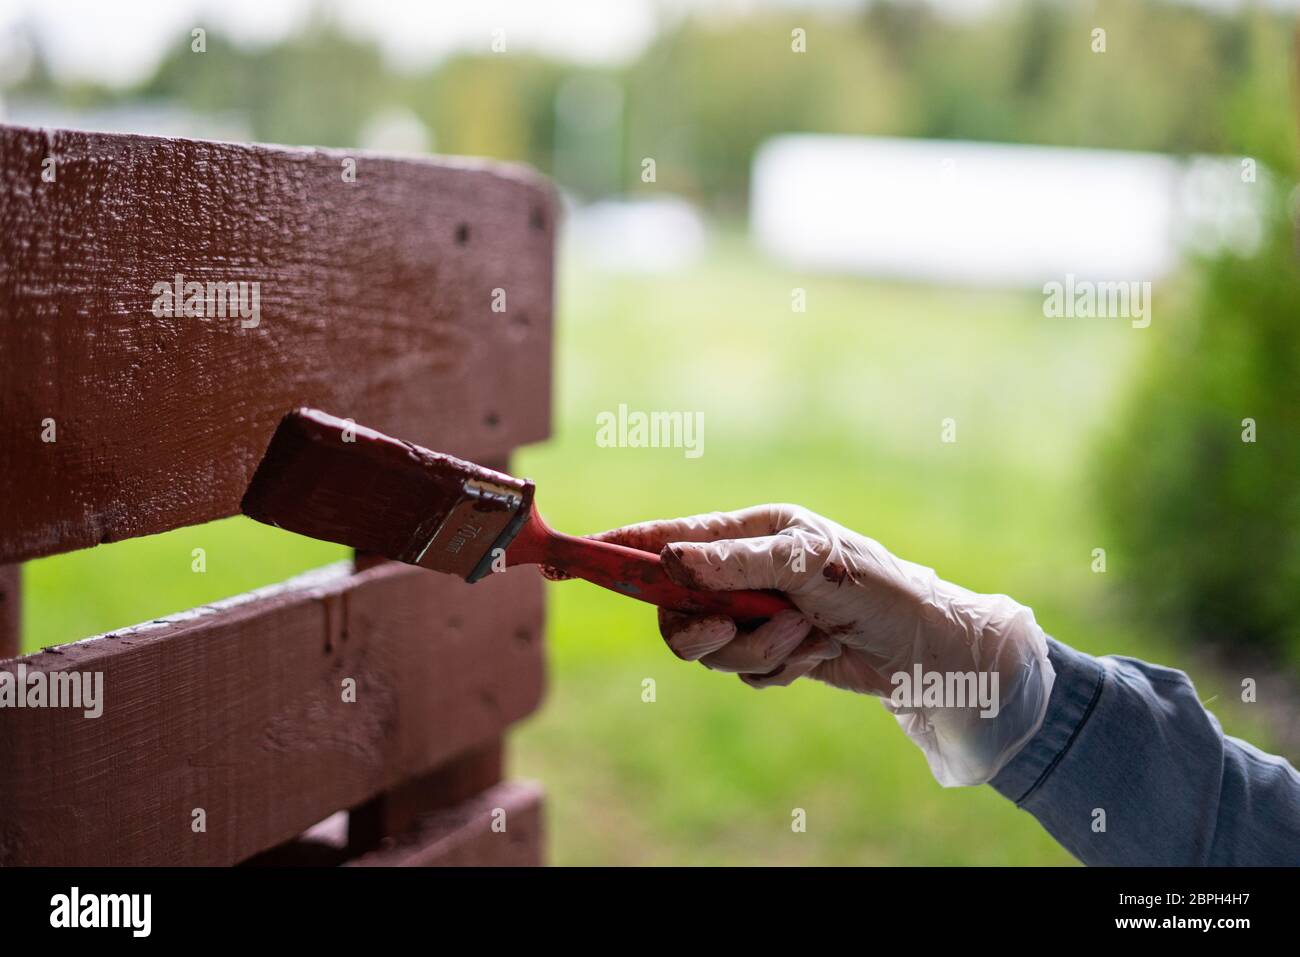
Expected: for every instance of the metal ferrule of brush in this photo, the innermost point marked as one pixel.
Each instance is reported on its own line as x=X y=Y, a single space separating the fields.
x=480 y=526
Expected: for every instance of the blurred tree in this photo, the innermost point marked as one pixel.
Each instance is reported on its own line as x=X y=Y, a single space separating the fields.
x=1206 y=516
x=1175 y=77
x=704 y=96
x=318 y=86
x=491 y=105
x=1207 y=524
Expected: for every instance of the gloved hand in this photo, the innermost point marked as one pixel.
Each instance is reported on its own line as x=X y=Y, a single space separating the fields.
x=966 y=675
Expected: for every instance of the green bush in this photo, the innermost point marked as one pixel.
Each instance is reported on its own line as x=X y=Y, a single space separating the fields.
x=1206 y=525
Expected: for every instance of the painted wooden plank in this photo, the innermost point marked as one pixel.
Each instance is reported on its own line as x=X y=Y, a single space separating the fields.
x=391 y=816
x=239 y=709
x=375 y=301
x=324 y=844
x=464 y=836
x=11 y=619
x=397 y=810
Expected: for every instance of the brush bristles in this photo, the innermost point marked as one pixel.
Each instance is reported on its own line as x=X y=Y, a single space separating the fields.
x=331 y=479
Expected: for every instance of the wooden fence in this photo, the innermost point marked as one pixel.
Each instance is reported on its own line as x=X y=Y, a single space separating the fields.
x=413 y=296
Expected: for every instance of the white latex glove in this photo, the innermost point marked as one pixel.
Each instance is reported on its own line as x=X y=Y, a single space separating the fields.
x=866 y=620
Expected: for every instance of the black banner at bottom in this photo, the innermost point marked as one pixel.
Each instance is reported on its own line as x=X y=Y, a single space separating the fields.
x=332 y=906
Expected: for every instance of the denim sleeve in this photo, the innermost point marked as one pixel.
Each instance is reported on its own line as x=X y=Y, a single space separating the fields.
x=1128 y=768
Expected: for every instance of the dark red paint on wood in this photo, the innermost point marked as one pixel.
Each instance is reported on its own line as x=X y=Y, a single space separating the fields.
x=11 y=588
x=369 y=307
x=463 y=835
x=374 y=301
x=398 y=809
x=237 y=709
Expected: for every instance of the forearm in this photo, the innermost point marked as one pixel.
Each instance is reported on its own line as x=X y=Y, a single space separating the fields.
x=1129 y=769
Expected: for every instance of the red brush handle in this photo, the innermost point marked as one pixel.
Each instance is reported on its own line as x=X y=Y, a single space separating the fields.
x=632 y=572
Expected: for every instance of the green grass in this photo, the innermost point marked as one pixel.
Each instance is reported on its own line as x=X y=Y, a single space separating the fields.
x=100 y=589
x=839 y=409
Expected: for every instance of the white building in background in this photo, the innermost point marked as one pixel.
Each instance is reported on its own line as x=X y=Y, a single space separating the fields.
x=993 y=214
x=650 y=235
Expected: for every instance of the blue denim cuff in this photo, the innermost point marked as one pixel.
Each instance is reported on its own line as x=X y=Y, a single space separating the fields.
x=1079 y=680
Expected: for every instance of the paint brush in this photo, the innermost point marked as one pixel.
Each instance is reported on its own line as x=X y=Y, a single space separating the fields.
x=331 y=479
